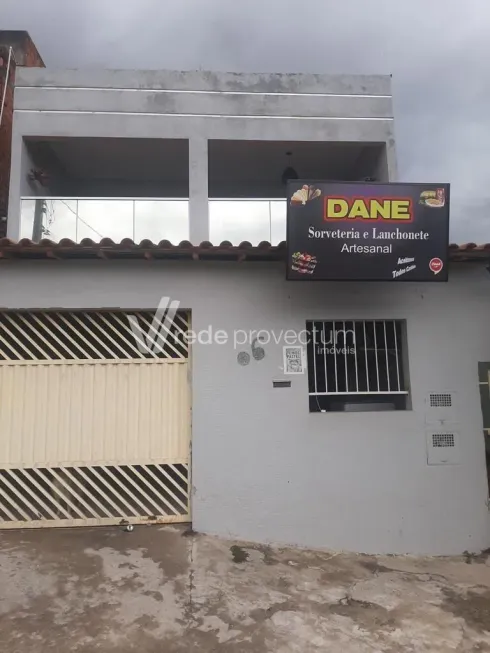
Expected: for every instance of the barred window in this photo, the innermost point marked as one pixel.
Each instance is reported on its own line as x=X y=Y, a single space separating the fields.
x=356 y=365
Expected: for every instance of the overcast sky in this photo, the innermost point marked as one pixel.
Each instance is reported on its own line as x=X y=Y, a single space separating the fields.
x=437 y=50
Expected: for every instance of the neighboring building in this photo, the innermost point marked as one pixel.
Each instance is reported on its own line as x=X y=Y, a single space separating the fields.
x=16 y=49
x=97 y=429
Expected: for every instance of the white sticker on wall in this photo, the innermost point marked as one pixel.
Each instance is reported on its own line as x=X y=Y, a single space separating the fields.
x=293 y=360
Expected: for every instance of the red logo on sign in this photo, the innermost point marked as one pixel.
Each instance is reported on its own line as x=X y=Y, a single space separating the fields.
x=436 y=265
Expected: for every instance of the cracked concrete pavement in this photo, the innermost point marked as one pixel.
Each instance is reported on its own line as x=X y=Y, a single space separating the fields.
x=165 y=589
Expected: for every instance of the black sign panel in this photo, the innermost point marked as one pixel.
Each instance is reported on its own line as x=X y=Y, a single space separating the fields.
x=367 y=232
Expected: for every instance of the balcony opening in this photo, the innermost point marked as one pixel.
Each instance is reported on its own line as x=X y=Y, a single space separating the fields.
x=98 y=188
x=246 y=181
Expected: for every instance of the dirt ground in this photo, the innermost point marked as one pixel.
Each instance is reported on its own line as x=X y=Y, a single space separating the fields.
x=163 y=589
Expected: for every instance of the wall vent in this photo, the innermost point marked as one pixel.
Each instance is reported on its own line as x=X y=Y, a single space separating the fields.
x=443 y=447
x=440 y=400
x=443 y=440
x=441 y=407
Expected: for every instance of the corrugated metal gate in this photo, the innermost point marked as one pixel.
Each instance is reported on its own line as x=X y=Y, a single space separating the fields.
x=93 y=430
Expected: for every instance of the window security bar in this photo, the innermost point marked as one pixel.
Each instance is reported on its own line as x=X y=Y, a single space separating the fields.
x=355 y=357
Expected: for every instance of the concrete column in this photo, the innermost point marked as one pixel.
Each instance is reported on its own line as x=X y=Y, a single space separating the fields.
x=16 y=166
x=198 y=190
x=391 y=160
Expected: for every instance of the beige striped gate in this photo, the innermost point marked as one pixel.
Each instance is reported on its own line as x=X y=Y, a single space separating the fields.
x=93 y=430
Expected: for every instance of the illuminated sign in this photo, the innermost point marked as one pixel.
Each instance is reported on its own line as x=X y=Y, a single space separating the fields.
x=344 y=230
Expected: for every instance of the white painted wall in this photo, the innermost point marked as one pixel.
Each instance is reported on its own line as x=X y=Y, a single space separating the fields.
x=266 y=469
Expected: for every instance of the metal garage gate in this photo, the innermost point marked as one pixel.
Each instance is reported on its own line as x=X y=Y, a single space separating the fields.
x=93 y=428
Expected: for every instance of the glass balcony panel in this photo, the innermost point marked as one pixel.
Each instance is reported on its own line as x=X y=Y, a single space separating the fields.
x=239 y=220
x=278 y=221
x=48 y=218
x=161 y=220
x=235 y=220
x=58 y=218
x=99 y=219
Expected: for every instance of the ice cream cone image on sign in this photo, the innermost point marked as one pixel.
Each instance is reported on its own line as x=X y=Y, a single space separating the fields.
x=300 y=196
x=304 y=194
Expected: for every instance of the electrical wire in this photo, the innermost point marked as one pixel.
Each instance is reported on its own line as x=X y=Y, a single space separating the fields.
x=7 y=74
x=81 y=219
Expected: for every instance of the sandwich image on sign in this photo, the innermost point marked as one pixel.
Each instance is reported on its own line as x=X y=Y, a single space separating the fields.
x=303 y=263
x=435 y=199
x=305 y=194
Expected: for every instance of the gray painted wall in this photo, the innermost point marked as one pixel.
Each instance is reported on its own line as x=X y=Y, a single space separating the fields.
x=201 y=103
x=121 y=188
x=202 y=80
x=266 y=469
x=373 y=163
x=199 y=106
x=28 y=187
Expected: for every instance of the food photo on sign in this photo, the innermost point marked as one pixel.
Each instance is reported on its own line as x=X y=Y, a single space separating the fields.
x=367 y=231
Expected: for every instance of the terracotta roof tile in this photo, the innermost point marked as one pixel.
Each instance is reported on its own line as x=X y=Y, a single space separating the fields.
x=128 y=249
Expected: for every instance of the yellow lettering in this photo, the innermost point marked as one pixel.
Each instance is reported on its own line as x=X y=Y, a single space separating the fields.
x=358 y=209
x=400 y=210
x=380 y=209
x=336 y=208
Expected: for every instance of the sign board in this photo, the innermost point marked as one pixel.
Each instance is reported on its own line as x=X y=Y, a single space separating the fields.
x=367 y=232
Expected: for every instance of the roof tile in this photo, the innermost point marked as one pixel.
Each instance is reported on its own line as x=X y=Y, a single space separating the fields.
x=89 y=248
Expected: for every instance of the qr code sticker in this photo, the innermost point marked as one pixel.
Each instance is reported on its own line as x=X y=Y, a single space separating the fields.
x=293 y=360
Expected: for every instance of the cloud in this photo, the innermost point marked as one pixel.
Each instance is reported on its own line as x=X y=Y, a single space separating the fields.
x=437 y=51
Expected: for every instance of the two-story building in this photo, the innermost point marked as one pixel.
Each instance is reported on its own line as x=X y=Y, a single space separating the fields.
x=134 y=190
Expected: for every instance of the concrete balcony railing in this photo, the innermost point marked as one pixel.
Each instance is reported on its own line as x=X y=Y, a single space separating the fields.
x=234 y=220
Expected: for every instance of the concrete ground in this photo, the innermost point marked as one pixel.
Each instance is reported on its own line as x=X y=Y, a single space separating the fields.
x=160 y=589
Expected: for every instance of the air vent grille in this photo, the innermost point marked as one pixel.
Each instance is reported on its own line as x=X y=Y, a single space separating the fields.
x=443 y=440
x=441 y=400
